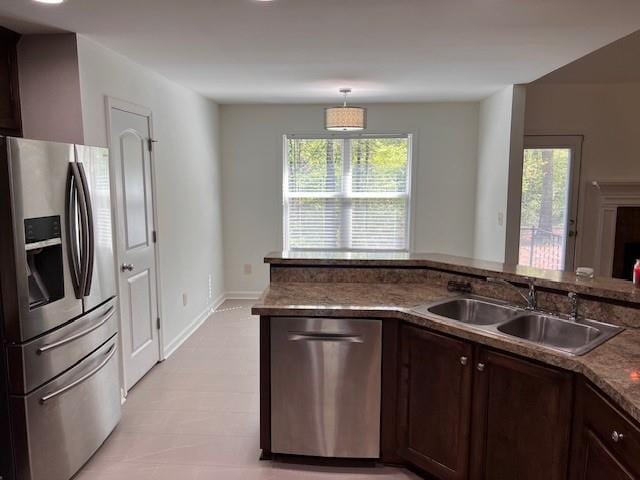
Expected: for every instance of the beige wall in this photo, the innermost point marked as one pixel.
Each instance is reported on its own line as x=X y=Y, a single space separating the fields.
x=607 y=116
x=445 y=140
x=187 y=160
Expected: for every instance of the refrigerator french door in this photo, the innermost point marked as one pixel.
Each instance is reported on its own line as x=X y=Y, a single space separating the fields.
x=62 y=234
x=60 y=384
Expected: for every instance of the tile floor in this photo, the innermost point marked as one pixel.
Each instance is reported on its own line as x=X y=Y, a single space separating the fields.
x=195 y=416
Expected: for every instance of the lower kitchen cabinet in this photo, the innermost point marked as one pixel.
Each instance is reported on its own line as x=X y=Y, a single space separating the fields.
x=521 y=419
x=606 y=443
x=435 y=402
x=471 y=412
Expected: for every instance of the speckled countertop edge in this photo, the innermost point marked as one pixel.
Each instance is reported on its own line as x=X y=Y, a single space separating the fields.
x=598 y=287
x=614 y=366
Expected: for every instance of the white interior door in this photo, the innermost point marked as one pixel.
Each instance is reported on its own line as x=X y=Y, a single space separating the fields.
x=131 y=161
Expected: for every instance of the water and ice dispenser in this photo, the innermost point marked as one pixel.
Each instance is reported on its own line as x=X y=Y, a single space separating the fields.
x=43 y=245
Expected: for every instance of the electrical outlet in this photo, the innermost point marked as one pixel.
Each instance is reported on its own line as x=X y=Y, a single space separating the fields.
x=210 y=287
x=184 y=299
x=500 y=218
x=247 y=269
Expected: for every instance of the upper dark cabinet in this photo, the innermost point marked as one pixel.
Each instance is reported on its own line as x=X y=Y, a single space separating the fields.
x=606 y=443
x=10 y=123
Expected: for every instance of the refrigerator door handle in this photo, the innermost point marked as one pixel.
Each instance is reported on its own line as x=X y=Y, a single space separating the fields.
x=84 y=231
x=71 y=214
x=83 y=378
x=90 y=252
x=64 y=341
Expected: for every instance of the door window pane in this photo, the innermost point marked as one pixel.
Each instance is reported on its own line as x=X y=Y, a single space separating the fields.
x=544 y=209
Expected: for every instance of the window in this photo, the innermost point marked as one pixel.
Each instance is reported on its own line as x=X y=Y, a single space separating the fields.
x=347 y=193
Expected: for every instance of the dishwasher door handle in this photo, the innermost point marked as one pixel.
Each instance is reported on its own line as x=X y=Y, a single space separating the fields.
x=324 y=337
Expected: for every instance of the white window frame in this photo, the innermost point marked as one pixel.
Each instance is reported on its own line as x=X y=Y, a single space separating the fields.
x=345 y=192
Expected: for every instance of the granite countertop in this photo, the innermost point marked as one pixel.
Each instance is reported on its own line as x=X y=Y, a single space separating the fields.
x=611 y=288
x=613 y=366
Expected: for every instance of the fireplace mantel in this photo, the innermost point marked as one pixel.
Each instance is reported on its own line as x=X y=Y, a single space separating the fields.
x=612 y=194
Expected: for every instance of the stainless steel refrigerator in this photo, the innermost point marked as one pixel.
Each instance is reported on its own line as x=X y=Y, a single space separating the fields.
x=60 y=382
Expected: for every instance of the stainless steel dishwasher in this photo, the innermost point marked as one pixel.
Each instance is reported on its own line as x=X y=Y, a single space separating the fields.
x=325 y=387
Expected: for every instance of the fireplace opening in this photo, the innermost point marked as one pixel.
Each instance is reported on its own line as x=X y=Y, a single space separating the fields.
x=627 y=242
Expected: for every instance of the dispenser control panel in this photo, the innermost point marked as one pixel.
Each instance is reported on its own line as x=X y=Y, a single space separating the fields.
x=41 y=228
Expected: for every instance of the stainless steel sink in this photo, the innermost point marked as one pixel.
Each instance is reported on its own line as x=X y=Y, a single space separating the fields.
x=473 y=310
x=571 y=336
x=575 y=337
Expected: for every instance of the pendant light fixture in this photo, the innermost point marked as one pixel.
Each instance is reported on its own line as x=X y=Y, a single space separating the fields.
x=345 y=118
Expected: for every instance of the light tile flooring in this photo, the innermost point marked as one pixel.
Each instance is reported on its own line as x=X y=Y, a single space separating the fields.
x=195 y=416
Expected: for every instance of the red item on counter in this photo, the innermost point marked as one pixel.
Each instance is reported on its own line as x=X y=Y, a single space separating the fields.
x=636 y=274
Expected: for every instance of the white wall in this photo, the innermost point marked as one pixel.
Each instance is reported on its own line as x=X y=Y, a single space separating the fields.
x=607 y=116
x=445 y=168
x=494 y=147
x=187 y=160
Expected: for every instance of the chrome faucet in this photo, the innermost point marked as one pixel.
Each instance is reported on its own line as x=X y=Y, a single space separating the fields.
x=531 y=297
x=573 y=301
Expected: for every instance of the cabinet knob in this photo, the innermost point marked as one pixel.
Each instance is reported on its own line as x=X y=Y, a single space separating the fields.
x=617 y=437
x=464 y=360
x=480 y=367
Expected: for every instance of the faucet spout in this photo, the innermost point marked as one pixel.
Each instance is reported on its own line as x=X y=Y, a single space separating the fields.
x=531 y=298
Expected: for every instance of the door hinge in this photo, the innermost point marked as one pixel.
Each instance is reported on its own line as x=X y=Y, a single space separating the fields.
x=150 y=142
x=158 y=323
x=154 y=237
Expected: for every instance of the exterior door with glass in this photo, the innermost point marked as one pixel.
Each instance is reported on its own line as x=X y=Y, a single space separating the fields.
x=549 y=201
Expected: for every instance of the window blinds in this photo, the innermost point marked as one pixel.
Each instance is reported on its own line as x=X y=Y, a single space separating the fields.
x=347 y=193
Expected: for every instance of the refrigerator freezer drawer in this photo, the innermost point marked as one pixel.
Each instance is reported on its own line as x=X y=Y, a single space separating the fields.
x=67 y=419
x=36 y=362
x=325 y=387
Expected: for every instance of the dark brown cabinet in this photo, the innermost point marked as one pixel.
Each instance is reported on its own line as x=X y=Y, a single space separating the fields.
x=435 y=402
x=521 y=419
x=10 y=123
x=471 y=412
x=606 y=443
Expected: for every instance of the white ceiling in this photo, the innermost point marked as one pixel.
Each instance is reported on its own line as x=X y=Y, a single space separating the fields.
x=245 y=51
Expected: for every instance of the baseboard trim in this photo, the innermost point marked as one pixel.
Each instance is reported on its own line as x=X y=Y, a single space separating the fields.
x=242 y=295
x=192 y=327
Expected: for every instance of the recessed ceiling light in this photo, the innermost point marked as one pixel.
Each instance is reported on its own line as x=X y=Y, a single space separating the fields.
x=50 y=2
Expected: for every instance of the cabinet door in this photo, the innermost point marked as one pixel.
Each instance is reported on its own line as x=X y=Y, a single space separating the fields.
x=9 y=99
x=435 y=402
x=599 y=462
x=521 y=419
x=606 y=443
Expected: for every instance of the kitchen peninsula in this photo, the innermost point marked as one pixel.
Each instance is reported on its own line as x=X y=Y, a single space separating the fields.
x=458 y=399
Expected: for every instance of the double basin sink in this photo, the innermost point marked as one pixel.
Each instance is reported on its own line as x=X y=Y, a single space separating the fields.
x=575 y=337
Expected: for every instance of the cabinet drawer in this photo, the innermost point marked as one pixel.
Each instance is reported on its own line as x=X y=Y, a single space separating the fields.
x=609 y=424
